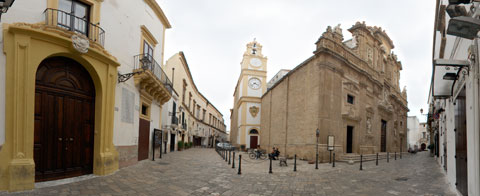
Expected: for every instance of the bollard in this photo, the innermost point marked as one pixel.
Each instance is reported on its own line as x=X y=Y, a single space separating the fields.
x=361 y=160
x=388 y=157
x=233 y=160
x=395 y=155
x=270 y=169
x=295 y=164
x=333 y=165
x=400 y=153
x=226 y=157
x=239 y=164
x=229 y=156
x=376 y=161
x=316 y=161
x=330 y=157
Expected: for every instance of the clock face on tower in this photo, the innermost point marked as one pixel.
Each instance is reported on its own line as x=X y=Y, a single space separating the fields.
x=255 y=62
x=254 y=83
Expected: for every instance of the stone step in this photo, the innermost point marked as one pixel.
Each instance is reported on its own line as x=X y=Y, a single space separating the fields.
x=352 y=158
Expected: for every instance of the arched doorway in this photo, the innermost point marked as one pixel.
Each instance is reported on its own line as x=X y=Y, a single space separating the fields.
x=423 y=146
x=64 y=120
x=253 y=138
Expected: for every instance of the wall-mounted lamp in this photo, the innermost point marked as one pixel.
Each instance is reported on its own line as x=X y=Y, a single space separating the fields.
x=450 y=76
x=4 y=5
x=459 y=1
x=464 y=26
x=456 y=10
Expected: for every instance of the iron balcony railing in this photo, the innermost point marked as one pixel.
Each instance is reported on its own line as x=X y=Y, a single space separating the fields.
x=70 y=22
x=174 y=120
x=146 y=62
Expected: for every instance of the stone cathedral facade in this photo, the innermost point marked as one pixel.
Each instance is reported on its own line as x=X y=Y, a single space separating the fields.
x=349 y=90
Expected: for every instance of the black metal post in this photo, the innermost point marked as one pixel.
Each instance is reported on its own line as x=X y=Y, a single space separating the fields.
x=153 y=146
x=161 y=140
x=376 y=161
x=295 y=163
x=226 y=157
x=165 y=152
x=333 y=165
x=239 y=164
x=229 y=156
x=270 y=169
x=330 y=157
x=233 y=160
x=361 y=162
x=316 y=158
x=395 y=155
x=388 y=157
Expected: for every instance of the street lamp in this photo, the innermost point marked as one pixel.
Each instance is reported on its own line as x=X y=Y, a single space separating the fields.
x=316 y=161
x=4 y=5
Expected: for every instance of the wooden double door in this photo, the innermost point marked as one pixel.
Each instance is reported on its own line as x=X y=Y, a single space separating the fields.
x=64 y=120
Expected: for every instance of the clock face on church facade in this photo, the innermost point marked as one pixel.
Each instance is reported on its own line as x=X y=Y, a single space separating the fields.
x=254 y=83
x=256 y=62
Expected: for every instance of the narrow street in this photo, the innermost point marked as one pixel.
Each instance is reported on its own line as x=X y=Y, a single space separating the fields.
x=200 y=171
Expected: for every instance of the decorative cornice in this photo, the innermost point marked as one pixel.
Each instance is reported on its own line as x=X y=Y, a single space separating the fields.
x=159 y=12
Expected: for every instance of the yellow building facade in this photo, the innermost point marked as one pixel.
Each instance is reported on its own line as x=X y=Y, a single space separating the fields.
x=60 y=77
x=200 y=122
x=245 y=115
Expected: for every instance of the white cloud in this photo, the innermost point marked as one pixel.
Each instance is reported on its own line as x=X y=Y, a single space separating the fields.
x=213 y=34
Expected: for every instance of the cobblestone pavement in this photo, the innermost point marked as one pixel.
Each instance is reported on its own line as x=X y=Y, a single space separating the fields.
x=203 y=172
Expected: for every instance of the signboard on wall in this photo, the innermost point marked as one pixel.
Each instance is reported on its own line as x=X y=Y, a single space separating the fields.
x=331 y=142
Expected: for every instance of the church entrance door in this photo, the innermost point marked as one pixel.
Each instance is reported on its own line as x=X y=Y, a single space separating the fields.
x=253 y=141
x=383 y=137
x=349 y=139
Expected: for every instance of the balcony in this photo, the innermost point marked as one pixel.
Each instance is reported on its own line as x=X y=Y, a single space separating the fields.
x=70 y=22
x=152 y=80
x=174 y=120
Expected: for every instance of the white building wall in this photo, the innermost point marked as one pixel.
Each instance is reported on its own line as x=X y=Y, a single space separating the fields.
x=21 y=11
x=253 y=120
x=450 y=134
x=473 y=150
x=120 y=23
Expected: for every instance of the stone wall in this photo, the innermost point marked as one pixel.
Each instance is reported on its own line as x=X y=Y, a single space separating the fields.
x=127 y=155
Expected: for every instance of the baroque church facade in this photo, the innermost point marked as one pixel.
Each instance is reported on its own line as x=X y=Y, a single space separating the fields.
x=348 y=90
x=251 y=85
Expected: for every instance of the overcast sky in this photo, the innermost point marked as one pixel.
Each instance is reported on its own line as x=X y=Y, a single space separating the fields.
x=213 y=35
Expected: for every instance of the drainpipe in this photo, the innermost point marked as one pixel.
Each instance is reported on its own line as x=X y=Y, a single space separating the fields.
x=173 y=75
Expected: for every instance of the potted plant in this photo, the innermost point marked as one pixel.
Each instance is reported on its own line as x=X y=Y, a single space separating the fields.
x=180 y=145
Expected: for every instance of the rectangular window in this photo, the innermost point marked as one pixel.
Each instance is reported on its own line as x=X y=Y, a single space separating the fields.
x=424 y=135
x=147 y=50
x=74 y=16
x=350 y=99
x=144 y=110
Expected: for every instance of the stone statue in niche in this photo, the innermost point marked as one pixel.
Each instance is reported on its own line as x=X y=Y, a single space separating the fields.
x=369 y=125
x=80 y=43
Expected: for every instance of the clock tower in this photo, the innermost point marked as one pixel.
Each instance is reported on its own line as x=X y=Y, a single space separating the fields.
x=245 y=114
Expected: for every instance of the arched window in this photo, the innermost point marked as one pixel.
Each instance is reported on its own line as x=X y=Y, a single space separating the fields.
x=253 y=131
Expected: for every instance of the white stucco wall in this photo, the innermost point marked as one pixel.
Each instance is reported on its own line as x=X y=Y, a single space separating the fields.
x=123 y=40
x=450 y=134
x=250 y=119
x=473 y=137
x=21 y=11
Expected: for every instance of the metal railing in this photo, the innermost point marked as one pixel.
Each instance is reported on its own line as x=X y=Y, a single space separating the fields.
x=174 y=120
x=70 y=22
x=147 y=62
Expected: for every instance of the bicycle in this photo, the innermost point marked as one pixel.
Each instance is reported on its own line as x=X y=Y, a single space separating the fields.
x=258 y=154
